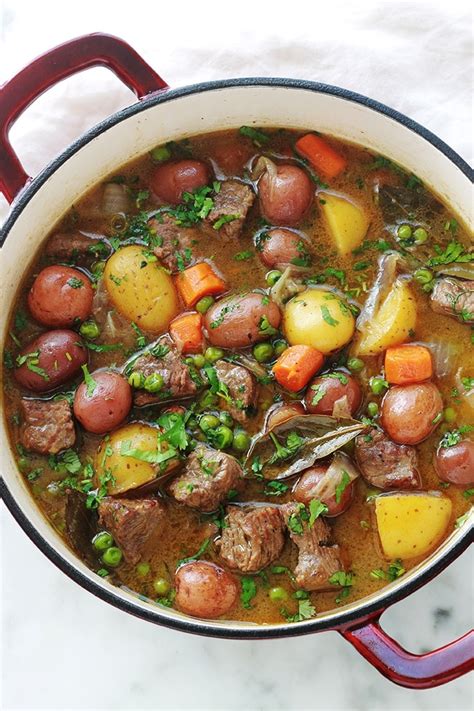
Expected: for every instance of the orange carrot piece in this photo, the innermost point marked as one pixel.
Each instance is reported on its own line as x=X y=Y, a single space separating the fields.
x=198 y=281
x=321 y=155
x=408 y=364
x=185 y=330
x=296 y=366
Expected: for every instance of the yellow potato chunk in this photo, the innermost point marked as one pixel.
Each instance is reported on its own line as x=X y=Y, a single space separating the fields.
x=140 y=289
x=128 y=471
x=318 y=318
x=411 y=525
x=392 y=323
x=347 y=222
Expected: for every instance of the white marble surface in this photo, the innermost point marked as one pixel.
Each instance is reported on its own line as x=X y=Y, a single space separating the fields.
x=61 y=647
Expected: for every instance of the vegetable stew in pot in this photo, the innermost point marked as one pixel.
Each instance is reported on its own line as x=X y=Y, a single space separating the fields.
x=239 y=376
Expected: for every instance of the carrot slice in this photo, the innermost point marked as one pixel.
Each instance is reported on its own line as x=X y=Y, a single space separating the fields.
x=321 y=155
x=296 y=366
x=408 y=364
x=185 y=330
x=198 y=281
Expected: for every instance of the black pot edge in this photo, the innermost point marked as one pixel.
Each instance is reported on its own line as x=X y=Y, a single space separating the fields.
x=351 y=618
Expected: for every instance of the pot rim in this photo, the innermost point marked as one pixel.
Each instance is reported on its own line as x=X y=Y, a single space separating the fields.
x=346 y=618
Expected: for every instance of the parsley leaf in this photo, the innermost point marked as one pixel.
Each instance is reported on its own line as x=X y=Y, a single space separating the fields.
x=202 y=549
x=275 y=488
x=249 y=590
x=342 y=486
x=89 y=381
x=454 y=252
x=327 y=316
x=316 y=509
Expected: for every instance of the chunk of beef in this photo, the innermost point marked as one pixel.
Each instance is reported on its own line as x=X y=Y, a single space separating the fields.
x=69 y=246
x=454 y=297
x=207 y=478
x=233 y=198
x=174 y=241
x=252 y=538
x=132 y=523
x=385 y=464
x=81 y=525
x=164 y=358
x=47 y=426
x=317 y=558
x=242 y=387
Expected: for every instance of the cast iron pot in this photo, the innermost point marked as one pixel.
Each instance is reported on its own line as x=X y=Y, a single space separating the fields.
x=161 y=115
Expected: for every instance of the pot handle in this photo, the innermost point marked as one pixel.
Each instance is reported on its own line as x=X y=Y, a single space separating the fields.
x=92 y=50
x=415 y=671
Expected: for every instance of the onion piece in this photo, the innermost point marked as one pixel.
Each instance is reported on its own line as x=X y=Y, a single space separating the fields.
x=387 y=269
x=341 y=408
x=326 y=487
x=461 y=271
x=444 y=354
x=286 y=287
x=115 y=199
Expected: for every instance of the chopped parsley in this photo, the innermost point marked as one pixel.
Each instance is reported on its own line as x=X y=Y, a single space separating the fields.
x=316 y=509
x=319 y=393
x=224 y=220
x=91 y=384
x=282 y=452
x=394 y=571
x=327 y=316
x=248 y=591
x=454 y=252
x=67 y=461
x=306 y=610
x=202 y=549
x=342 y=486
x=194 y=207
x=275 y=488
x=450 y=439
x=345 y=581
x=75 y=283
x=461 y=520
x=259 y=138
x=141 y=340
x=242 y=256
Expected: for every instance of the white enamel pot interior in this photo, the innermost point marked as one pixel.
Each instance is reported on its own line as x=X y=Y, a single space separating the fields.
x=174 y=115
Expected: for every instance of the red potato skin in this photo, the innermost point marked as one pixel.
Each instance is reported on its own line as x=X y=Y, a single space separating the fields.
x=456 y=464
x=304 y=491
x=280 y=247
x=169 y=181
x=238 y=319
x=107 y=406
x=286 y=198
x=204 y=589
x=52 y=300
x=333 y=390
x=409 y=412
x=52 y=347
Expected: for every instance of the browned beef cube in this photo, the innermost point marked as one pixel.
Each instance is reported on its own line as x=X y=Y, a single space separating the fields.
x=164 y=358
x=252 y=538
x=67 y=246
x=132 y=523
x=174 y=241
x=385 y=464
x=47 y=426
x=242 y=388
x=207 y=478
x=233 y=199
x=318 y=560
x=454 y=297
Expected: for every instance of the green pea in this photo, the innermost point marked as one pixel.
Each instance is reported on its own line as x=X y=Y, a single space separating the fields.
x=423 y=276
x=263 y=352
x=199 y=360
x=189 y=360
x=279 y=346
x=136 y=379
x=404 y=232
x=97 y=268
x=153 y=382
x=204 y=304
x=355 y=364
x=112 y=557
x=450 y=414
x=208 y=422
x=23 y=463
x=89 y=329
x=143 y=569
x=222 y=437
x=212 y=354
x=272 y=277
x=378 y=385
x=372 y=409
x=207 y=400
x=277 y=594
x=420 y=235
x=241 y=441
x=226 y=418
x=102 y=541
x=161 y=586
x=160 y=153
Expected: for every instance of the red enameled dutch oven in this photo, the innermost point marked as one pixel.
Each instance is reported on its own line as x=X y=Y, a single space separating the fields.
x=161 y=115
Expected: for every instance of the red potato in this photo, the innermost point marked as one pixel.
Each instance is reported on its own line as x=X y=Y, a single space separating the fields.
x=231 y=157
x=410 y=413
x=322 y=481
x=170 y=180
x=239 y=321
x=60 y=296
x=456 y=464
x=204 y=589
x=281 y=413
x=283 y=247
x=107 y=406
x=333 y=389
x=286 y=197
x=50 y=360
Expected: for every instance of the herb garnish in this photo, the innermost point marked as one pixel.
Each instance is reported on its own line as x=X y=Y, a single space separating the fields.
x=202 y=549
x=327 y=316
x=91 y=384
x=249 y=590
x=345 y=581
